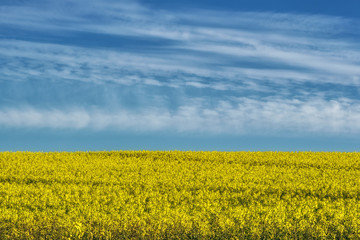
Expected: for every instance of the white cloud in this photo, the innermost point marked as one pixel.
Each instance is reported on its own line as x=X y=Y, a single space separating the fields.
x=242 y=117
x=54 y=61
x=301 y=45
x=222 y=51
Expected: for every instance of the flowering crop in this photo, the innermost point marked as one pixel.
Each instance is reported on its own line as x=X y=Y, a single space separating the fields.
x=176 y=195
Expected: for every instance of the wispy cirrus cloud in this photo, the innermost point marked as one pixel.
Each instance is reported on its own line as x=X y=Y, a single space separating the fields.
x=164 y=60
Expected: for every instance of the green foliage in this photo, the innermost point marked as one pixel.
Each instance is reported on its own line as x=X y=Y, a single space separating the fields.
x=177 y=195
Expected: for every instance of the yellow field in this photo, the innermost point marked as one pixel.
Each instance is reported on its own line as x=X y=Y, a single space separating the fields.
x=197 y=195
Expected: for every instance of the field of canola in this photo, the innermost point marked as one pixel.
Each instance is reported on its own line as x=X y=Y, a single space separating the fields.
x=177 y=195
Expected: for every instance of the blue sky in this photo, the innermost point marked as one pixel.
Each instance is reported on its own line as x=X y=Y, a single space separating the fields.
x=190 y=75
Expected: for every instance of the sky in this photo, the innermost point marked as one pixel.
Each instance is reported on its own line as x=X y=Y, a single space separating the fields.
x=200 y=75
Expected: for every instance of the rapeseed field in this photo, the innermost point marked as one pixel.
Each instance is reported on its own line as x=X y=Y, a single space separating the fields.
x=179 y=195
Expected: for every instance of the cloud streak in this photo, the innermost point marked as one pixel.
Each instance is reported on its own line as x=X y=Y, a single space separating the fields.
x=246 y=116
x=232 y=72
